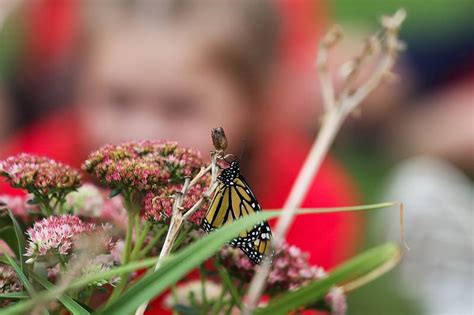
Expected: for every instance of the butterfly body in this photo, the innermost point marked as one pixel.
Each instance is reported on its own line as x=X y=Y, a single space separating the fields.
x=232 y=200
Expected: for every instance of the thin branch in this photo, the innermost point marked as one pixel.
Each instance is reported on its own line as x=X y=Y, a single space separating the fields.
x=336 y=110
x=207 y=194
x=201 y=173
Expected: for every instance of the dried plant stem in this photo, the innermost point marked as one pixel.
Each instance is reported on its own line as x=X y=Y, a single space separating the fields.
x=179 y=214
x=310 y=167
x=337 y=108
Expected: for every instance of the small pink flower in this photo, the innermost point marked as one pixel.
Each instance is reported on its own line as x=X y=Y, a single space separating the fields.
x=55 y=235
x=39 y=173
x=290 y=271
x=142 y=165
x=159 y=207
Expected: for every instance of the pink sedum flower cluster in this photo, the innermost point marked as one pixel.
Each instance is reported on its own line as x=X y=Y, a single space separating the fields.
x=159 y=207
x=142 y=165
x=55 y=235
x=39 y=173
x=290 y=271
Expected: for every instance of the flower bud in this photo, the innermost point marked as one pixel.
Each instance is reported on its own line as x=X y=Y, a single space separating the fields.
x=219 y=139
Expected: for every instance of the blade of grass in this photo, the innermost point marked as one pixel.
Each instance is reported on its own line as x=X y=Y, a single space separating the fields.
x=15 y=295
x=65 y=299
x=20 y=241
x=26 y=283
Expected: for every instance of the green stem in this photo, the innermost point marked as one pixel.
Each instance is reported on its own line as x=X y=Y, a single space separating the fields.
x=219 y=303
x=205 y=303
x=228 y=283
x=152 y=243
x=55 y=206
x=140 y=239
x=132 y=217
x=232 y=302
x=62 y=202
x=128 y=239
x=44 y=205
x=62 y=262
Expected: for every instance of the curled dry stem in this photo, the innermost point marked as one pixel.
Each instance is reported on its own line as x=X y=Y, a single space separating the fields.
x=337 y=108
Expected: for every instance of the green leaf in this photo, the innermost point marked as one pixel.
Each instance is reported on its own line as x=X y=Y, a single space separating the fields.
x=355 y=268
x=229 y=284
x=115 y=192
x=20 y=274
x=65 y=299
x=21 y=243
x=15 y=295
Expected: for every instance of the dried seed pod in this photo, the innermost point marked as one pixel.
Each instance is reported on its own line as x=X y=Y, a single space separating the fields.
x=219 y=139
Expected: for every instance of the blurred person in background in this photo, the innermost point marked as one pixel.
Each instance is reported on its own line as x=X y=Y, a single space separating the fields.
x=174 y=69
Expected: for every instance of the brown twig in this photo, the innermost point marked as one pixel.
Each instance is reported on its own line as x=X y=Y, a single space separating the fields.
x=337 y=108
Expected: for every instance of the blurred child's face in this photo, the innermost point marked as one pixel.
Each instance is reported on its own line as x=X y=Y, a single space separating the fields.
x=143 y=84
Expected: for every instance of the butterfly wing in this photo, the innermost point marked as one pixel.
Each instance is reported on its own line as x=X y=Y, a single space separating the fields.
x=234 y=199
x=255 y=242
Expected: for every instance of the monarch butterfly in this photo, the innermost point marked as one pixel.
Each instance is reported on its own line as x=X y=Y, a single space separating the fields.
x=232 y=200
